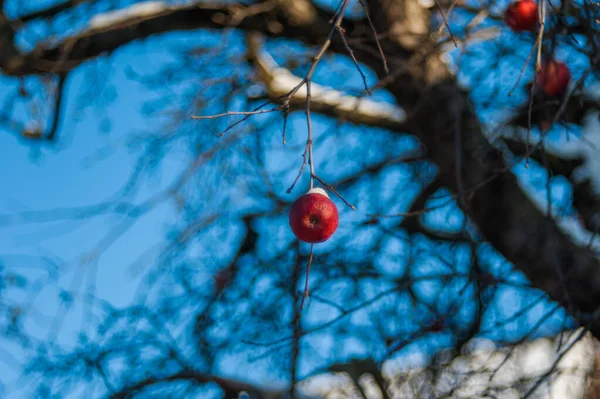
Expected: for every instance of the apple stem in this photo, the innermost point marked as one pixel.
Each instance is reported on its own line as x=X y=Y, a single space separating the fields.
x=305 y=295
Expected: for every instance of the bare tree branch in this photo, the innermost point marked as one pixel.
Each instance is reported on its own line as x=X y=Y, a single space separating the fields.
x=328 y=101
x=107 y=34
x=232 y=388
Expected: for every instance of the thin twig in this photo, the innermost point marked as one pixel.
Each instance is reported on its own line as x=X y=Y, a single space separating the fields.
x=310 y=258
x=341 y=31
x=524 y=67
x=542 y=18
x=336 y=12
x=414 y=213
x=232 y=113
x=374 y=31
x=446 y=22
x=309 y=140
x=538 y=68
x=333 y=190
x=59 y=103
x=307 y=80
x=286 y=112
x=245 y=118
x=565 y=101
x=304 y=161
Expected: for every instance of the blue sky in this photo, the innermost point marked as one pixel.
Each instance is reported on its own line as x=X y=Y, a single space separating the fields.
x=61 y=176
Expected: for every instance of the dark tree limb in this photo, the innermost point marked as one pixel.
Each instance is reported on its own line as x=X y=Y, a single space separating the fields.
x=501 y=210
x=585 y=199
x=231 y=388
x=103 y=39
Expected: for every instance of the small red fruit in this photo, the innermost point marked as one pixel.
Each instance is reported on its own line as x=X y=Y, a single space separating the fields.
x=554 y=78
x=522 y=15
x=314 y=217
x=222 y=278
x=545 y=125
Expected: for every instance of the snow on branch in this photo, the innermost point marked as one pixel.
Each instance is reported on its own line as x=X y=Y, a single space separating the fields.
x=572 y=147
x=138 y=10
x=562 y=366
x=279 y=82
x=559 y=367
x=585 y=150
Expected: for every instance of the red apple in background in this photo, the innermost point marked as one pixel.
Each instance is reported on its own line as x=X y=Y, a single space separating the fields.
x=554 y=78
x=545 y=125
x=437 y=325
x=522 y=15
x=222 y=278
x=314 y=217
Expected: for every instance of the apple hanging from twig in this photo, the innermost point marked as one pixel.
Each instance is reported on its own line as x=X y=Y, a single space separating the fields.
x=554 y=78
x=522 y=15
x=314 y=217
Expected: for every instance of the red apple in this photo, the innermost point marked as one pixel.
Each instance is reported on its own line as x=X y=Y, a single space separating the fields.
x=554 y=78
x=314 y=217
x=522 y=15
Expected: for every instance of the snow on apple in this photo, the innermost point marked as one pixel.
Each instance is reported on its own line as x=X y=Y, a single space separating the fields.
x=314 y=217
